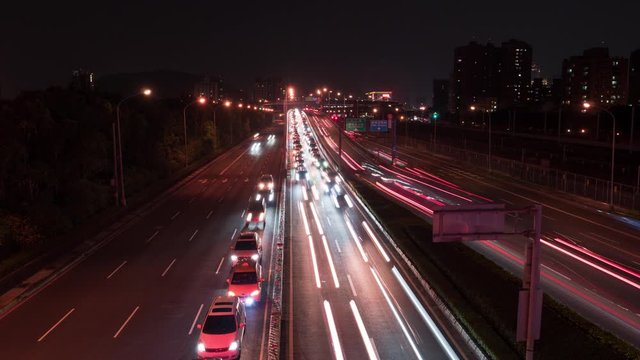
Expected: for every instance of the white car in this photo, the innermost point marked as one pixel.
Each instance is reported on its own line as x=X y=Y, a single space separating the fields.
x=223 y=330
x=247 y=246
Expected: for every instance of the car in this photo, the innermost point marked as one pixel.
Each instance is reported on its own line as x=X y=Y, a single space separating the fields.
x=223 y=329
x=245 y=282
x=331 y=179
x=340 y=198
x=320 y=162
x=256 y=214
x=246 y=247
x=301 y=173
x=266 y=188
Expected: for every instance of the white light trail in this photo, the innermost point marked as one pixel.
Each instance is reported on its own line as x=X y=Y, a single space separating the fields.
x=303 y=214
x=356 y=240
x=315 y=216
x=397 y=316
x=432 y=325
x=375 y=240
x=315 y=262
x=337 y=349
x=331 y=266
x=363 y=331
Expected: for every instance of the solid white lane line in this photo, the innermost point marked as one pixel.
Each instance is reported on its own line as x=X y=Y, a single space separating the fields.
x=116 y=270
x=193 y=325
x=363 y=331
x=152 y=236
x=126 y=322
x=234 y=233
x=209 y=214
x=168 y=267
x=426 y=317
x=328 y=220
x=355 y=239
x=375 y=240
x=56 y=325
x=396 y=315
x=233 y=162
x=330 y=259
x=220 y=265
x=242 y=214
x=303 y=214
x=506 y=201
x=348 y=200
x=337 y=246
x=353 y=289
x=304 y=193
x=335 y=341
x=373 y=343
x=315 y=262
x=194 y=235
x=175 y=215
x=316 y=218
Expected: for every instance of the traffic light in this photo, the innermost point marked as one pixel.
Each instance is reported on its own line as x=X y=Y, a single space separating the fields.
x=435 y=115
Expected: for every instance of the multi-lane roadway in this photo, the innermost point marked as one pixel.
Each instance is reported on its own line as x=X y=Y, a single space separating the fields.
x=590 y=258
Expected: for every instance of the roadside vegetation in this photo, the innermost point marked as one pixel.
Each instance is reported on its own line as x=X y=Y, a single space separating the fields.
x=56 y=158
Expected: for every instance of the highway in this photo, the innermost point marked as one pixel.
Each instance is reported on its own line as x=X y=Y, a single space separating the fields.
x=141 y=295
x=347 y=294
x=590 y=258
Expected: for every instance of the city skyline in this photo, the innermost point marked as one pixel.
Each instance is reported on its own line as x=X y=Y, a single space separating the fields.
x=301 y=43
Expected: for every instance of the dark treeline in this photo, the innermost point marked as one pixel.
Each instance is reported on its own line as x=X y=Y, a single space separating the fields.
x=56 y=154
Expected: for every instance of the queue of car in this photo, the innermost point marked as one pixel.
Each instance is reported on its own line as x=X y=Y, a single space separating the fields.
x=222 y=333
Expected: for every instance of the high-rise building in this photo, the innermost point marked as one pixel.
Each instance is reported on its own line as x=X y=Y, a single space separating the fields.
x=595 y=76
x=514 y=73
x=268 y=89
x=210 y=87
x=474 y=78
x=440 y=95
x=634 y=78
x=82 y=80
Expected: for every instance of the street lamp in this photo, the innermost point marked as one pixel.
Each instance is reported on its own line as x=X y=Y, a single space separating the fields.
x=118 y=172
x=200 y=100
x=587 y=106
x=474 y=108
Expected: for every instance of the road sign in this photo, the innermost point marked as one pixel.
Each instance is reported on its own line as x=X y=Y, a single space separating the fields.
x=378 y=126
x=356 y=124
x=468 y=222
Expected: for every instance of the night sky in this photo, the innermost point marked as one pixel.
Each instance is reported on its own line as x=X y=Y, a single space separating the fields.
x=397 y=45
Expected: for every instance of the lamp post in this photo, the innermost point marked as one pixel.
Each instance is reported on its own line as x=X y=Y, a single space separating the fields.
x=118 y=172
x=474 y=108
x=587 y=106
x=201 y=100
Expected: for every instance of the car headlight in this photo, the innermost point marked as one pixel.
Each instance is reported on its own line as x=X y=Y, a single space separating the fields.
x=270 y=186
x=248 y=301
x=261 y=217
x=233 y=346
x=258 y=196
x=248 y=216
x=234 y=258
x=254 y=257
x=261 y=186
x=231 y=293
x=201 y=347
x=255 y=293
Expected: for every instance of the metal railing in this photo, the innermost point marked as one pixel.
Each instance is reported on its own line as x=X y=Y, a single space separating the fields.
x=624 y=196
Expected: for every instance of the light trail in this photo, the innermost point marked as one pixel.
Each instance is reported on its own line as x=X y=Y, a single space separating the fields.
x=406 y=200
x=315 y=263
x=317 y=219
x=355 y=239
x=334 y=274
x=335 y=340
x=363 y=331
x=303 y=214
x=375 y=240
x=432 y=325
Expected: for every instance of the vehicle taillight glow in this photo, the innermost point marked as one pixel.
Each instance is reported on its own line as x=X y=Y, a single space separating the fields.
x=261 y=217
x=231 y=293
x=270 y=186
x=249 y=216
x=234 y=258
x=200 y=347
x=255 y=293
x=254 y=257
